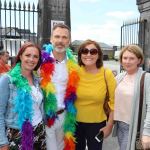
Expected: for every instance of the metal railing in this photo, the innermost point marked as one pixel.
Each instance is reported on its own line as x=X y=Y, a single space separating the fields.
x=18 y=23
x=133 y=32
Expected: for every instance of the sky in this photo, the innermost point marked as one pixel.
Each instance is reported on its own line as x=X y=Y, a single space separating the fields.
x=99 y=20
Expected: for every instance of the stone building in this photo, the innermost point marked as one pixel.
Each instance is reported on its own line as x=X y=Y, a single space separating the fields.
x=144 y=9
x=108 y=50
x=52 y=12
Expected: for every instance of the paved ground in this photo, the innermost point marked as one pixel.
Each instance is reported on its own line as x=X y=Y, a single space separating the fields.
x=113 y=65
x=110 y=143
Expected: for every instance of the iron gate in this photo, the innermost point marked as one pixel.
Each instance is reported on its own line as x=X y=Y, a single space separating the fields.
x=133 y=32
x=18 y=23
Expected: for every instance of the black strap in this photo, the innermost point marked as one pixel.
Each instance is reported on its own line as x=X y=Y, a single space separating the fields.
x=141 y=101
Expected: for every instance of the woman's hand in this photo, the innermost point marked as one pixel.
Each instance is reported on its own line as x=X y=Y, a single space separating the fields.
x=107 y=130
x=146 y=141
x=4 y=147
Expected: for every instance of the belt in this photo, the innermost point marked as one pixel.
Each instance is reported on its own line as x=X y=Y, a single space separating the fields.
x=60 y=111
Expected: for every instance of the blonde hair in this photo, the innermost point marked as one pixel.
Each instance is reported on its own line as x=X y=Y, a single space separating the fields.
x=135 y=49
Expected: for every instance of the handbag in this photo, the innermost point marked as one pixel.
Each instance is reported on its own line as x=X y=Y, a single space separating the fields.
x=138 y=143
x=106 y=107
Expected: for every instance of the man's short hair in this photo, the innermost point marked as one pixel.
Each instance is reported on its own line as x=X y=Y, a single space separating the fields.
x=60 y=25
x=63 y=26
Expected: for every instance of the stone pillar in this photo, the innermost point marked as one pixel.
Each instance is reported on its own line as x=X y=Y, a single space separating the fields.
x=144 y=9
x=51 y=11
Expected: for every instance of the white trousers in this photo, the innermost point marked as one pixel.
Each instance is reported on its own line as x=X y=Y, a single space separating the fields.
x=55 y=134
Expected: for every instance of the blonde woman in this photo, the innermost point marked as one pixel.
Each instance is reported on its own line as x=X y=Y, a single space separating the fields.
x=127 y=96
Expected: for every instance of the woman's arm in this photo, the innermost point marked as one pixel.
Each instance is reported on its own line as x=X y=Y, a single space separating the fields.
x=111 y=83
x=4 y=95
x=108 y=128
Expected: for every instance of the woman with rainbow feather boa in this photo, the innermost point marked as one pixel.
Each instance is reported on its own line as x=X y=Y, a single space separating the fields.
x=59 y=80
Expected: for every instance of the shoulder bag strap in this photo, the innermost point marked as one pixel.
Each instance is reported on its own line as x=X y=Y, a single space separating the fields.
x=141 y=101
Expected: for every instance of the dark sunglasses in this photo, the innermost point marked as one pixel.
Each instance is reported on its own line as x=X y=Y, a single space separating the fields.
x=92 y=51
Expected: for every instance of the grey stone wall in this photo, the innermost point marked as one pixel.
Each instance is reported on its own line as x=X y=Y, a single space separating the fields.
x=141 y=1
x=144 y=9
x=52 y=10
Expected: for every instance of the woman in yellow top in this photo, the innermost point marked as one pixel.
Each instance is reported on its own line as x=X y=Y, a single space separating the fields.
x=91 y=92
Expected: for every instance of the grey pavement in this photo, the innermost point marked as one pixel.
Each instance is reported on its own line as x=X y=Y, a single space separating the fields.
x=110 y=143
x=113 y=65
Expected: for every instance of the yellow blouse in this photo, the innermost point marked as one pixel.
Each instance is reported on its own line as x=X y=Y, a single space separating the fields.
x=91 y=93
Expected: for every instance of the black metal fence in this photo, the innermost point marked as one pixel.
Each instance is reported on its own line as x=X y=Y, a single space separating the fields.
x=18 y=23
x=133 y=32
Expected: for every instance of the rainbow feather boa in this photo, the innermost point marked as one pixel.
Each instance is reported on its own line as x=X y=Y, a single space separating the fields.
x=23 y=107
x=46 y=72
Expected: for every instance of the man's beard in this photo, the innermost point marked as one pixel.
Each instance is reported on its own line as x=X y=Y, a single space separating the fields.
x=60 y=50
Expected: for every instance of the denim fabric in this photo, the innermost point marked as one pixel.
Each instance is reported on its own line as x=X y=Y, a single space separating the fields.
x=122 y=134
x=8 y=118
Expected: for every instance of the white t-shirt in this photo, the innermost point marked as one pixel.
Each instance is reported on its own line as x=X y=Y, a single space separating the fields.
x=37 y=100
x=59 y=79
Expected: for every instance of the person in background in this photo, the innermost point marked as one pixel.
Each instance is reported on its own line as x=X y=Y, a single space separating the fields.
x=91 y=92
x=21 y=103
x=127 y=96
x=13 y=61
x=59 y=79
x=4 y=57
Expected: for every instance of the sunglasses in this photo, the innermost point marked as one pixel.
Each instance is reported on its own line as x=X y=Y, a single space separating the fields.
x=92 y=51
